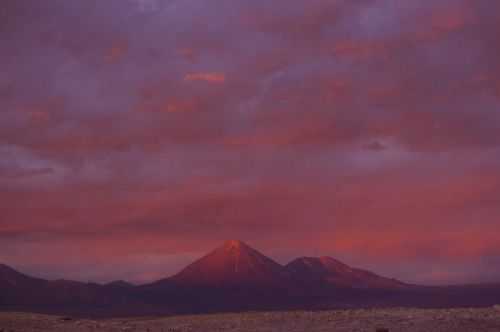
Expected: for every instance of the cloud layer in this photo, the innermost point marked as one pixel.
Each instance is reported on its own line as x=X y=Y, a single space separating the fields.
x=142 y=133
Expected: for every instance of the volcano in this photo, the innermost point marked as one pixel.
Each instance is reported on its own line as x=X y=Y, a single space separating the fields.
x=233 y=264
x=333 y=272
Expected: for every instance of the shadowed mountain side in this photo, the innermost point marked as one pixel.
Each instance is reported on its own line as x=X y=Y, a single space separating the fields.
x=21 y=292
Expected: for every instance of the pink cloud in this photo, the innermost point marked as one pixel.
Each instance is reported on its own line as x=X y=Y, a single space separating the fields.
x=444 y=21
x=212 y=77
x=116 y=52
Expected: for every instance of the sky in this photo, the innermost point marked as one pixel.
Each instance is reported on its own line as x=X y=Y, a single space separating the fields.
x=137 y=135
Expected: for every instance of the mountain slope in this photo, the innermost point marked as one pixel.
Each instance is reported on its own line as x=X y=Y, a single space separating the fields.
x=235 y=263
x=14 y=279
x=333 y=272
x=17 y=289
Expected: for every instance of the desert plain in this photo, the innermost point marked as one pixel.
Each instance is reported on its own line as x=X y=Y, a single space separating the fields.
x=359 y=320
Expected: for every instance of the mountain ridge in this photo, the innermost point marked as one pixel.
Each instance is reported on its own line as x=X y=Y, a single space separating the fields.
x=236 y=263
x=234 y=277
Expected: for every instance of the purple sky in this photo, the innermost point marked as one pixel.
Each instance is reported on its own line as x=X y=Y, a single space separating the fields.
x=136 y=135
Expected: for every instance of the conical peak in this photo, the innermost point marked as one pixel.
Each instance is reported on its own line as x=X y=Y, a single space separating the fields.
x=233 y=263
x=234 y=245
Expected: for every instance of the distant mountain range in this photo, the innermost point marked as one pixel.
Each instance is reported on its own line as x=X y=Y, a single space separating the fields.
x=236 y=264
x=235 y=277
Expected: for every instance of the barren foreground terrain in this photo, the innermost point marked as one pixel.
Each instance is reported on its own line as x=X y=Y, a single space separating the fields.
x=408 y=320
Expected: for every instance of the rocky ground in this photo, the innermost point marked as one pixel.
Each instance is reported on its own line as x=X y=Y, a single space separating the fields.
x=392 y=320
